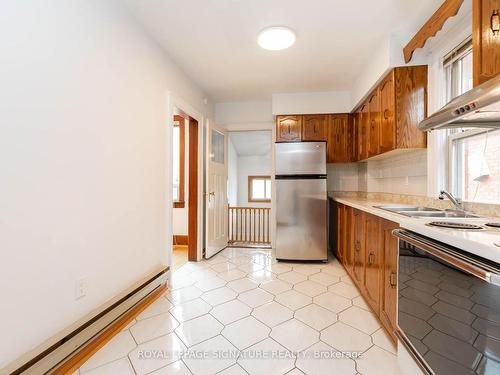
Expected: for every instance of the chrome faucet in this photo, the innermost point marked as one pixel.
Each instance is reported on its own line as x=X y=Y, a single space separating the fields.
x=456 y=201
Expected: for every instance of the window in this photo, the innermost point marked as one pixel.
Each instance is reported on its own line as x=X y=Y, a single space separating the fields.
x=178 y=161
x=474 y=154
x=475 y=161
x=259 y=188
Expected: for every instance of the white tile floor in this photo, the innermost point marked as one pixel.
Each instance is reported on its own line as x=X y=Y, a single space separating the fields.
x=241 y=312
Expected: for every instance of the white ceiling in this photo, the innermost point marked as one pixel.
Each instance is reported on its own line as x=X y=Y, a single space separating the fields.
x=214 y=41
x=252 y=143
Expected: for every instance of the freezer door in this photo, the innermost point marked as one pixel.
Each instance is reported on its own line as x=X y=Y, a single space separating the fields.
x=301 y=213
x=300 y=158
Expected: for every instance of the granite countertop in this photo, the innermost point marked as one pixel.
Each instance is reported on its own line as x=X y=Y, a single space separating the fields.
x=481 y=242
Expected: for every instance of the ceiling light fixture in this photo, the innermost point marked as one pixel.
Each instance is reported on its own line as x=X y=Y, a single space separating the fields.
x=276 y=38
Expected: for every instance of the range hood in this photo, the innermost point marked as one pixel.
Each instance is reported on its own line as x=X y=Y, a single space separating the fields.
x=477 y=108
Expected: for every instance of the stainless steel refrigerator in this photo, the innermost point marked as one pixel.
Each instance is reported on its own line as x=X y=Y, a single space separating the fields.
x=301 y=201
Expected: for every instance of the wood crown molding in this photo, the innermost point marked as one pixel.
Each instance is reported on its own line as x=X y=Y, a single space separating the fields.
x=448 y=9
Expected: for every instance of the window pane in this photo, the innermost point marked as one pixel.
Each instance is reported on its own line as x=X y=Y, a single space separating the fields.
x=476 y=172
x=175 y=161
x=258 y=189
x=217 y=154
x=466 y=81
x=268 y=189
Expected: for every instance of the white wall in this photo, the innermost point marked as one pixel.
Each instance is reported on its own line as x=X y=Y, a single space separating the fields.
x=311 y=102
x=252 y=166
x=232 y=186
x=249 y=115
x=84 y=187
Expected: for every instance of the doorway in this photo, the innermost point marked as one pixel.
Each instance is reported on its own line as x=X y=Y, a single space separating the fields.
x=249 y=188
x=184 y=189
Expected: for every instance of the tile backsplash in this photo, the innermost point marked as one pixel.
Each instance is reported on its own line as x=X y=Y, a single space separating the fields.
x=401 y=174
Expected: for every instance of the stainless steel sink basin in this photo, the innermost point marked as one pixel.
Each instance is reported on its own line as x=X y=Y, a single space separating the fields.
x=401 y=209
x=417 y=211
x=457 y=214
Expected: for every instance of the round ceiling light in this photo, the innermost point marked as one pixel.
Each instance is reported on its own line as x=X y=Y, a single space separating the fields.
x=276 y=38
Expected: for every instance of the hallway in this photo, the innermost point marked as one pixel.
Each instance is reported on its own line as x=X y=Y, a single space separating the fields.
x=243 y=312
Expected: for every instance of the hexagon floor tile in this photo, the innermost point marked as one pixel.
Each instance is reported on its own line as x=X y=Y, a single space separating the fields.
x=270 y=317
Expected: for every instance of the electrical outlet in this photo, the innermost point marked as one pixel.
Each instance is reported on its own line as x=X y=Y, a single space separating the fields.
x=80 y=288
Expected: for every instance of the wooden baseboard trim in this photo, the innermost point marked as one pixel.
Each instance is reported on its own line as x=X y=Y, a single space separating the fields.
x=77 y=360
x=180 y=239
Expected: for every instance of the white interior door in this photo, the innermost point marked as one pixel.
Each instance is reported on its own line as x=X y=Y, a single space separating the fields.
x=216 y=191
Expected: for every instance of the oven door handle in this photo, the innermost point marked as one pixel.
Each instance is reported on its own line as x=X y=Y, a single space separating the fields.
x=460 y=261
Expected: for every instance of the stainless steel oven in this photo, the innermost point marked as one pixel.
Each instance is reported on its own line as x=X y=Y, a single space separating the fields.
x=448 y=307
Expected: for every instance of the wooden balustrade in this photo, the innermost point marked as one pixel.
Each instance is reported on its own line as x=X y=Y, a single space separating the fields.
x=250 y=225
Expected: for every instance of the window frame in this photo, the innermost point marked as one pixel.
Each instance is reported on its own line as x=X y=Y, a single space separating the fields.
x=250 y=189
x=180 y=122
x=451 y=91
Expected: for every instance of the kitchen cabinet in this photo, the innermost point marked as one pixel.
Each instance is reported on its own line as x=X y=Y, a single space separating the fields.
x=340 y=139
x=374 y=115
x=372 y=261
x=364 y=128
x=485 y=42
x=389 y=291
x=387 y=130
x=358 y=269
x=341 y=231
x=314 y=127
x=392 y=112
x=369 y=252
x=288 y=128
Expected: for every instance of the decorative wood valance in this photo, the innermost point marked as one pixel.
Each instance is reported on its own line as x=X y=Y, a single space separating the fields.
x=448 y=9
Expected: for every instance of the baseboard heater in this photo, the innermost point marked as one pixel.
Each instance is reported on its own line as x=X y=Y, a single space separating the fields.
x=50 y=355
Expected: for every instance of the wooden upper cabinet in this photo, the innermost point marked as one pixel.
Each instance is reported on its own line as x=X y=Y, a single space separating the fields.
x=364 y=131
x=340 y=141
x=387 y=130
x=485 y=44
x=314 y=127
x=288 y=128
x=374 y=109
x=389 y=118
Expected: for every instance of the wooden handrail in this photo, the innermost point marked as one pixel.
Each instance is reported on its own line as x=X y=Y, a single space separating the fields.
x=249 y=225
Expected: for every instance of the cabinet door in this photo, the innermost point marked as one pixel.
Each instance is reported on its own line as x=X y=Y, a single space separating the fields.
x=373 y=261
x=338 y=138
x=359 y=247
x=354 y=136
x=374 y=108
x=389 y=279
x=288 y=128
x=485 y=44
x=387 y=132
x=314 y=127
x=340 y=232
x=364 y=129
x=349 y=239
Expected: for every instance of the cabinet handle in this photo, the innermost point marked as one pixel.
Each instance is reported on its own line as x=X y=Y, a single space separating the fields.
x=371 y=257
x=387 y=114
x=358 y=246
x=495 y=22
x=393 y=279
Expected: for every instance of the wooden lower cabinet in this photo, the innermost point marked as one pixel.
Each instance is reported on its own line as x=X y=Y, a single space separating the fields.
x=369 y=252
x=372 y=261
x=389 y=290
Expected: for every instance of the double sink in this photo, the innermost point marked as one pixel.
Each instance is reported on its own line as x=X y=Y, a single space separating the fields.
x=416 y=211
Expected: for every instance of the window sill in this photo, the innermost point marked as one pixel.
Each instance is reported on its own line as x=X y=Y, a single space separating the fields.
x=259 y=201
x=179 y=204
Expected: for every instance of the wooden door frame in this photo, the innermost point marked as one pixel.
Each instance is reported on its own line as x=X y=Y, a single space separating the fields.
x=193 y=194
x=193 y=152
